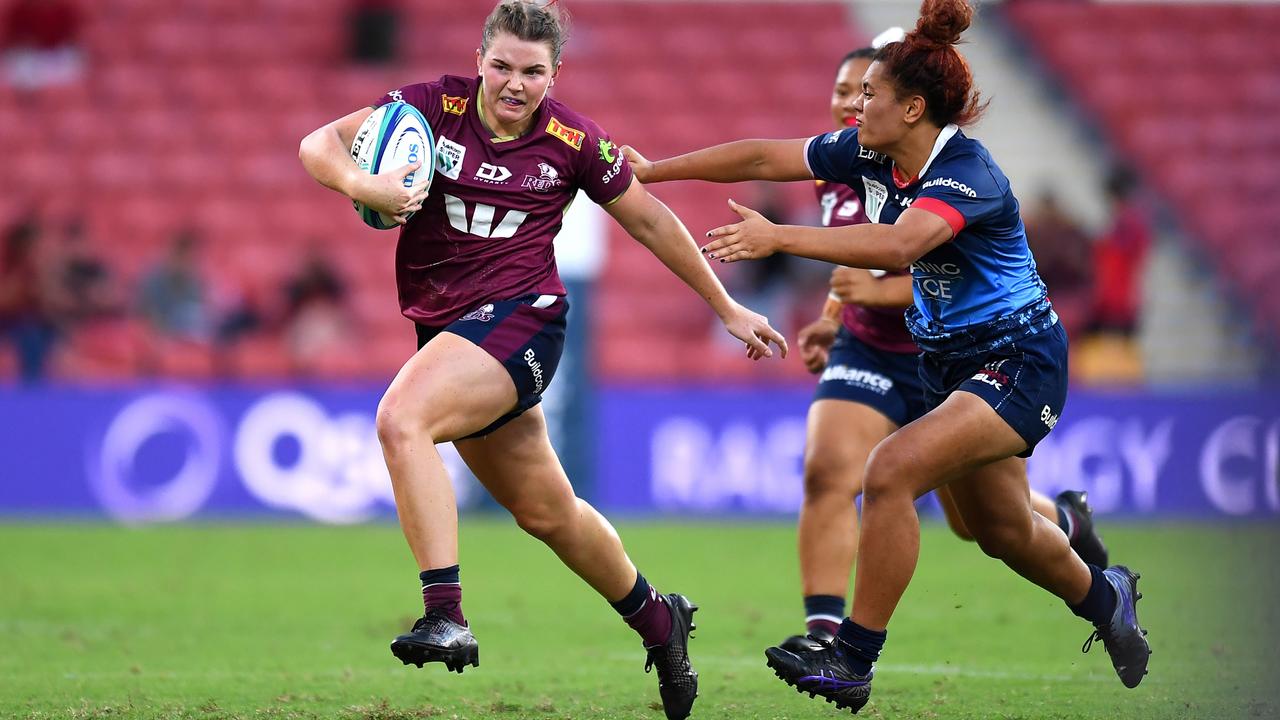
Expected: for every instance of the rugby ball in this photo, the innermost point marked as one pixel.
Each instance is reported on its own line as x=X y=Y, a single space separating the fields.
x=395 y=135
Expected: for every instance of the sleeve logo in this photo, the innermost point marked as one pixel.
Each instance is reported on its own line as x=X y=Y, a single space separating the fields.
x=571 y=136
x=454 y=105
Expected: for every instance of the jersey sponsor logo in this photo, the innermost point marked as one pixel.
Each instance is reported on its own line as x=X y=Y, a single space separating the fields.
x=903 y=200
x=867 y=379
x=848 y=209
x=396 y=96
x=609 y=153
x=454 y=105
x=832 y=137
x=571 y=136
x=877 y=193
x=951 y=183
x=548 y=179
x=872 y=155
x=936 y=280
x=535 y=367
x=828 y=203
x=482 y=219
x=1048 y=417
x=484 y=313
x=449 y=156
x=493 y=174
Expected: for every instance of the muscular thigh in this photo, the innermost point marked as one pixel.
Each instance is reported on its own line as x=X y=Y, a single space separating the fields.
x=994 y=495
x=949 y=442
x=452 y=386
x=517 y=464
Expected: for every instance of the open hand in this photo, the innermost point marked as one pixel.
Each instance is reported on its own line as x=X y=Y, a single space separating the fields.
x=753 y=329
x=753 y=238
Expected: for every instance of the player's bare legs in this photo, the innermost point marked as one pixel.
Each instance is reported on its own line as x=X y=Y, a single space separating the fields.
x=448 y=389
x=518 y=466
x=955 y=440
x=1039 y=502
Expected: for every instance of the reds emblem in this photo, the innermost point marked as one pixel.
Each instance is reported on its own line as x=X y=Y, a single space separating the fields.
x=549 y=179
x=571 y=136
x=484 y=313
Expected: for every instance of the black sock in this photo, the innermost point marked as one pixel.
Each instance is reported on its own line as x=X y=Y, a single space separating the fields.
x=860 y=646
x=823 y=612
x=1100 y=604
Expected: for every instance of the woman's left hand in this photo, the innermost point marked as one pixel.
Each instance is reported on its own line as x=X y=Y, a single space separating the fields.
x=753 y=329
x=753 y=238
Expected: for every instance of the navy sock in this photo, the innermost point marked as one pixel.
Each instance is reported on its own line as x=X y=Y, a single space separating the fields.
x=859 y=646
x=1100 y=604
x=646 y=612
x=442 y=590
x=823 y=613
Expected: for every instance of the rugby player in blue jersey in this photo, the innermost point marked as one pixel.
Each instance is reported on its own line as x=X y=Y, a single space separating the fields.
x=477 y=276
x=994 y=361
x=868 y=386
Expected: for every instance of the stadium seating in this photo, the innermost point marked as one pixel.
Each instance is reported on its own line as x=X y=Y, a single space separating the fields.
x=190 y=114
x=1189 y=94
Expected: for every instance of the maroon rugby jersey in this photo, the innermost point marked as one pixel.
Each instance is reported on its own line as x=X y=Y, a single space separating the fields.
x=883 y=328
x=496 y=204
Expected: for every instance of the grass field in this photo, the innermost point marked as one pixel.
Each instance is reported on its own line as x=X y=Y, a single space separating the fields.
x=271 y=621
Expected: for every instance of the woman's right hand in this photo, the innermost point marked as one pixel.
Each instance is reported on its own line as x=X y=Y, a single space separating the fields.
x=386 y=193
x=815 y=341
x=640 y=166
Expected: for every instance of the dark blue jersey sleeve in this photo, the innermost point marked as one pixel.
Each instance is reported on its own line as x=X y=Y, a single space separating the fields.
x=837 y=157
x=963 y=191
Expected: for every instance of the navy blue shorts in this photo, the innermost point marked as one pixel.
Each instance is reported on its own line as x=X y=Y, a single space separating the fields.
x=526 y=335
x=1025 y=382
x=860 y=373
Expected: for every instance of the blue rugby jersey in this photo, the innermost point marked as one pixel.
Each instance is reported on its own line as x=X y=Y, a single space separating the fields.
x=978 y=291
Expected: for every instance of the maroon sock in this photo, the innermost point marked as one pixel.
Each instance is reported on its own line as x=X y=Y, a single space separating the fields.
x=825 y=627
x=442 y=591
x=646 y=612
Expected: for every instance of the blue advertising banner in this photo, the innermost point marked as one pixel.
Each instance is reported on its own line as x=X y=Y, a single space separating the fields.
x=159 y=453
x=706 y=450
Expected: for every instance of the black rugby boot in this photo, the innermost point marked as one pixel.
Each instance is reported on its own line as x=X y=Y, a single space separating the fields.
x=677 y=680
x=436 y=638
x=822 y=672
x=1124 y=639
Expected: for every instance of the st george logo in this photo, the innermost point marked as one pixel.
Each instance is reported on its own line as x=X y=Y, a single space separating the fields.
x=482 y=219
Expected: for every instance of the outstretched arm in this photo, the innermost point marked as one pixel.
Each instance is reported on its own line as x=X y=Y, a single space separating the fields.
x=653 y=225
x=871 y=245
x=778 y=160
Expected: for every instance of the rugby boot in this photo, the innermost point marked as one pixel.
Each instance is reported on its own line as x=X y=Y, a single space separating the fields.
x=1084 y=536
x=677 y=680
x=436 y=638
x=1124 y=639
x=822 y=672
x=813 y=641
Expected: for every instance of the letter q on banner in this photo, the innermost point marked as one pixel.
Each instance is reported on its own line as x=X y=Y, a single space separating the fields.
x=114 y=472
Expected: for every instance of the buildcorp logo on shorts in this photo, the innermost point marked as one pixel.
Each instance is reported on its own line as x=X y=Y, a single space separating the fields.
x=286 y=451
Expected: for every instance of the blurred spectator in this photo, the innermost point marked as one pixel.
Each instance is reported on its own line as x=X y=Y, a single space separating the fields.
x=316 y=320
x=40 y=42
x=173 y=297
x=1062 y=253
x=1120 y=258
x=373 y=26
x=24 y=309
x=84 y=288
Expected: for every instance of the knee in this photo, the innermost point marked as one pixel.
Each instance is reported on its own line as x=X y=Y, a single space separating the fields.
x=886 y=475
x=400 y=424
x=1002 y=540
x=545 y=521
x=828 y=479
